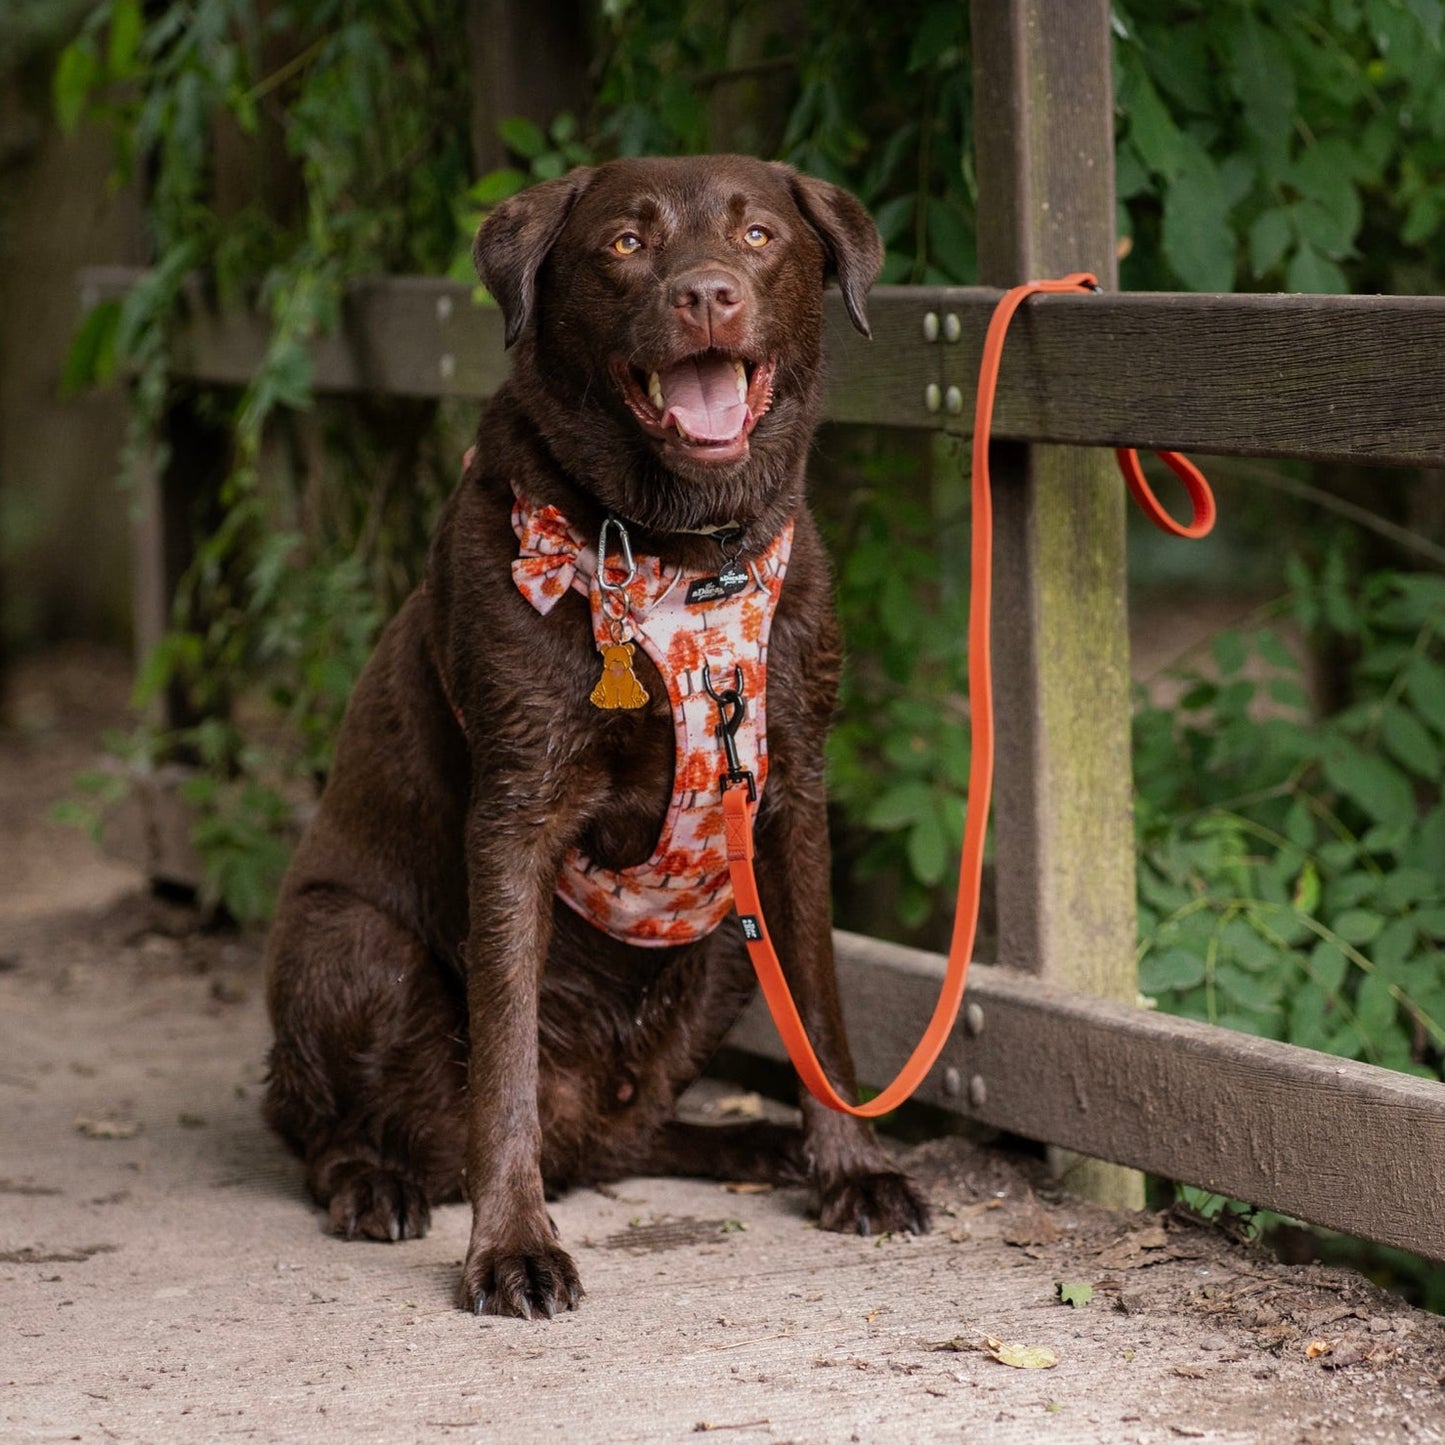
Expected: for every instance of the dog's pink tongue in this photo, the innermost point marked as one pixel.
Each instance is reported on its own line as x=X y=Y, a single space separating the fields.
x=701 y=396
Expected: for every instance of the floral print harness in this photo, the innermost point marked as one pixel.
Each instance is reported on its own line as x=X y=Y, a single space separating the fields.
x=682 y=892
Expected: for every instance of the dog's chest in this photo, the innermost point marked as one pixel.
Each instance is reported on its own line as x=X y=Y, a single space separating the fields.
x=634 y=755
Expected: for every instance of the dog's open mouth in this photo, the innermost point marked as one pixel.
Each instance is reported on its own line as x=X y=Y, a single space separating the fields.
x=704 y=406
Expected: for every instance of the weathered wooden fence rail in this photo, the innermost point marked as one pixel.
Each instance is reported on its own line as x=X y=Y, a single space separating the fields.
x=1339 y=378
x=1052 y=1046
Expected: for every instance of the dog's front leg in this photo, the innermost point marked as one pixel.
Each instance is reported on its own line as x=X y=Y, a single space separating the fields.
x=514 y=1265
x=859 y=1187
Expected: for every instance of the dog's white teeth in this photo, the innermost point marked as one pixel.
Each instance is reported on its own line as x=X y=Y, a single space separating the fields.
x=740 y=372
x=654 y=390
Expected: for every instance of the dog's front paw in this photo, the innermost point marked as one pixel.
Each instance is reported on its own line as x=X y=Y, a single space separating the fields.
x=370 y=1202
x=524 y=1281
x=884 y=1202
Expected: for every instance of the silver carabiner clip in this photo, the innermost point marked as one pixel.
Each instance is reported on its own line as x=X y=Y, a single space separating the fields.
x=615 y=601
x=609 y=523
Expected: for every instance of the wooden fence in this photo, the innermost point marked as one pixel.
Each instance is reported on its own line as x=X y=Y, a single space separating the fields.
x=1052 y=1045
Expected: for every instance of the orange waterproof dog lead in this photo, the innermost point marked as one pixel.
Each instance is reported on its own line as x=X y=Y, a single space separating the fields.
x=738 y=806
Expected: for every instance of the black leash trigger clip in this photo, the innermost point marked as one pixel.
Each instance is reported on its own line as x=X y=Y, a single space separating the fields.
x=732 y=708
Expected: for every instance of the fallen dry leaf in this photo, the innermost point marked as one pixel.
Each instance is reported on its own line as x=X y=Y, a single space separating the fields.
x=1021 y=1357
x=108 y=1128
x=1316 y=1348
x=748 y=1186
x=1135 y=1250
x=1034 y=1228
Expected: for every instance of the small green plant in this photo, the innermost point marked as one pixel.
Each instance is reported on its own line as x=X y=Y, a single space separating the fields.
x=1292 y=867
x=899 y=752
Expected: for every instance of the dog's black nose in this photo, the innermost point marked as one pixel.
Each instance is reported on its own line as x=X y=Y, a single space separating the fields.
x=708 y=298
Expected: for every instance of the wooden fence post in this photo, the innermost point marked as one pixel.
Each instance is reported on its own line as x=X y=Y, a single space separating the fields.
x=1064 y=846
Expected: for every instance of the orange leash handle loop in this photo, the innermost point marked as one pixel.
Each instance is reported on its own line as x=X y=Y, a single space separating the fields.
x=737 y=811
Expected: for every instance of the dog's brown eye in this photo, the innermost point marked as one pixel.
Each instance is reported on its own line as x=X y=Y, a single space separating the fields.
x=627 y=243
x=756 y=237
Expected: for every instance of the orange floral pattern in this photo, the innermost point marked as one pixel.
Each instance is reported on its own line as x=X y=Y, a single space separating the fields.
x=682 y=892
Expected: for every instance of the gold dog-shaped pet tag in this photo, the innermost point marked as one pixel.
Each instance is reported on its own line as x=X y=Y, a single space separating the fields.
x=618 y=686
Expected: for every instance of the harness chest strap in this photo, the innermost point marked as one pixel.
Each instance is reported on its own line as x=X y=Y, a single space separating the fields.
x=682 y=892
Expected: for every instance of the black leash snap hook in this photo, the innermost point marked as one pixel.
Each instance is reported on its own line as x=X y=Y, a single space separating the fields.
x=732 y=708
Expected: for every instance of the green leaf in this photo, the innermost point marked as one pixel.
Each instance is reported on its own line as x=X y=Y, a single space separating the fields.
x=1395 y=944
x=1309 y=1016
x=1430 y=14
x=939 y=35
x=1131 y=177
x=928 y=849
x=75 y=72
x=1254 y=993
x=1423 y=218
x=91 y=358
x=125 y=34
x=1171 y=969
x=1331 y=213
x=1425 y=683
x=894 y=217
x=901 y=805
x=1431 y=921
x=1406 y=737
x=1299 y=825
x=497 y=186
x=1328 y=965
x=1229 y=651
x=1288 y=693
x=1375 y=1008
x=1306 y=896
x=1275 y=651
x=1347 y=1041
x=1387 y=838
x=1310 y=272
x=1075 y=1294
x=1269 y=237
x=1404 y=886
x=1377 y=786
x=1263 y=79
x=1196 y=236
x=952 y=242
x=1357 y=926
x=523 y=137
x=898 y=609
x=1160 y=143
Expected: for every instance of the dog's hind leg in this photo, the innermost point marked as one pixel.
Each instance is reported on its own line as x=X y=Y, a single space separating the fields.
x=368 y=1070
x=752 y=1151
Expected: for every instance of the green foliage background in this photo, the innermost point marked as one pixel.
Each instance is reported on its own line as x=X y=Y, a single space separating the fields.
x=1292 y=876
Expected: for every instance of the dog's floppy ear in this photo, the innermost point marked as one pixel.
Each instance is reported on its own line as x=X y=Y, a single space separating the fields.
x=514 y=240
x=855 y=249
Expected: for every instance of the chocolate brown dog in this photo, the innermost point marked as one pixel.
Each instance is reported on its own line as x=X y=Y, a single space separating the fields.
x=446 y=1027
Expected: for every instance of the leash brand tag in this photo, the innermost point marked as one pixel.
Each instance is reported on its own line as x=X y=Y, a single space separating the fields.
x=752 y=927
x=728 y=583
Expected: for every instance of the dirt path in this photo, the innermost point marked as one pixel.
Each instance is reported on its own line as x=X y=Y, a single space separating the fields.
x=162 y=1277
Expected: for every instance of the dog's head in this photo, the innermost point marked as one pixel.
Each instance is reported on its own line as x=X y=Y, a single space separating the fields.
x=667 y=316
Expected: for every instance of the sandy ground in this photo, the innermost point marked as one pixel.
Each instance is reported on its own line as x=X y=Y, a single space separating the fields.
x=163 y=1278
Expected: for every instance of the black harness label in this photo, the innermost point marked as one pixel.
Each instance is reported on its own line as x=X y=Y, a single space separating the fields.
x=728 y=583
